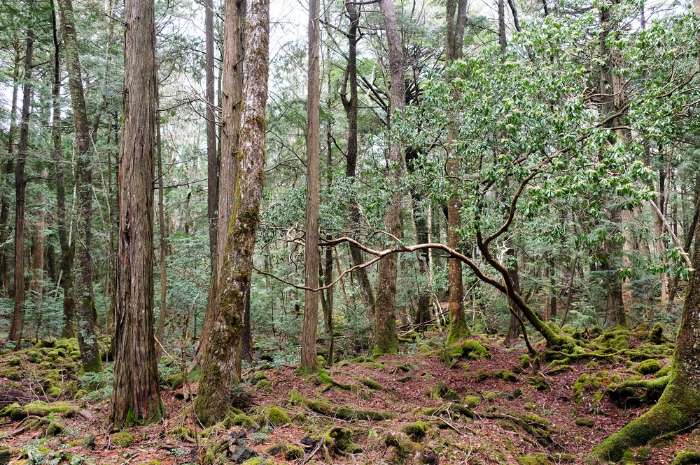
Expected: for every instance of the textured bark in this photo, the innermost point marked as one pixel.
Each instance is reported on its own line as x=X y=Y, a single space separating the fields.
x=8 y=168
x=136 y=397
x=385 y=338
x=327 y=271
x=313 y=187
x=456 y=20
x=36 y=285
x=230 y=96
x=87 y=339
x=62 y=223
x=162 y=234
x=502 y=39
x=221 y=371
x=212 y=155
x=20 y=190
x=350 y=106
x=515 y=325
x=247 y=338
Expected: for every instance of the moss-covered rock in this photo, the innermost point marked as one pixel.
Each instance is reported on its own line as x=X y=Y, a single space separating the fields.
x=468 y=349
x=245 y=421
x=370 y=383
x=471 y=401
x=345 y=412
x=686 y=457
x=416 y=430
x=338 y=440
x=444 y=392
x=275 y=416
x=122 y=439
x=648 y=366
x=534 y=459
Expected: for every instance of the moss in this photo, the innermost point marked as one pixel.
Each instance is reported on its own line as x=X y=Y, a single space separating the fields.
x=184 y=433
x=345 y=412
x=276 y=416
x=258 y=376
x=637 y=392
x=89 y=441
x=14 y=411
x=471 y=401
x=256 y=461
x=416 y=430
x=264 y=385
x=442 y=391
x=323 y=377
x=122 y=439
x=613 y=340
x=11 y=373
x=656 y=334
x=686 y=457
x=539 y=383
x=469 y=349
x=648 y=366
x=676 y=409
x=241 y=419
x=295 y=397
x=39 y=408
x=534 y=459
x=587 y=422
x=593 y=383
x=289 y=451
x=338 y=440
x=175 y=381
x=5 y=455
x=370 y=383
x=401 y=446
x=505 y=375
x=55 y=428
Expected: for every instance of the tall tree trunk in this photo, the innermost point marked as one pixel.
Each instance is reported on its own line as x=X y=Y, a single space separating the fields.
x=328 y=259
x=219 y=370
x=516 y=316
x=212 y=155
x=162 y=233
x=67 y=247
x=87 y=339
x=8 y=169
x=313 y=187
x=350 y=106
x=36 y=285
x=385 y=338
x=456 y=20
x=136 y=396
x=20 y=190
x=247 y=336
x=230 y=96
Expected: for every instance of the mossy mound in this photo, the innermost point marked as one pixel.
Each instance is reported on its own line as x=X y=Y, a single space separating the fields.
x=39 y=408
x=345 y=412
x=469 y=349
x=471 y=401
x=275 y=416
x=505 y=375
x=400 y=446
x=686 y=457
x=534 y=459
x=637 y=392
x=591 y=386
x=416 y=430
x=614 y=340
x=338 y=441
x=444 y=392
x=372 y=384
x=245 y=421
x=648 y=366
x=287 y=450
x=122 y=439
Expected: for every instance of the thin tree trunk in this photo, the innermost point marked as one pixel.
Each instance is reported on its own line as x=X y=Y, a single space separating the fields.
x=20 y=190
x=220 y=371
x=36 y=285
x=313 y=185
x=9 y=167
x=247 y=337
x=136 y=396
x=456 y=20
x=87 y=338
x=328 y=266
x=350 y=106
x=162 y=234
x=385 y=338
x=212 y=155
x=515 y=325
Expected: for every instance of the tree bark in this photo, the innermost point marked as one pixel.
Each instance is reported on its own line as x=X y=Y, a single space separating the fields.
x=350 y=106
x=313 y=186
x=62 y=222
x=231 y=97
x=385 y=338
x=219 y=370
x=162 y=233
x=136 y=396
x=212 y=155
x=20 y=190
x=87 y=338
x=9 y=167
x=456 y=20
x=36 y=285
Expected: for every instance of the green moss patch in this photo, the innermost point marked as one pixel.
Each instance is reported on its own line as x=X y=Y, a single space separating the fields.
x=122 y=439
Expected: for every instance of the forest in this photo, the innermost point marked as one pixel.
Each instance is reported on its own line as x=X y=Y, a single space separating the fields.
x=349 y=232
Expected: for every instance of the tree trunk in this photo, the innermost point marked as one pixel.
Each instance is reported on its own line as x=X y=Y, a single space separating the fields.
x=87 y=338
x=350 y=106
x=162 y=234
x=136 y=397
x=231 y=95
x=20 y=190
x=455 y=38
x=247 y=338
x=385 y=338
x=313 y=186
x=9 y=167
x=36 y=286
x=62 y=222
x=516 y=316
x=219 y=370
x=212 y=155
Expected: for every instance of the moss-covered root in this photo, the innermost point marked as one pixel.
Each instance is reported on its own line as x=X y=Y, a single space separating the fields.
x=686 y=457
x=677 y=409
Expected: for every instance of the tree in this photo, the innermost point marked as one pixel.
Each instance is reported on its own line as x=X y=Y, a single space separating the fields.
x=21 y=189
x=136 y=396
x=313 y=186
x=221 y=371
x=456 y=20
x=385 y=338
x=212 y=156
x=87 y=339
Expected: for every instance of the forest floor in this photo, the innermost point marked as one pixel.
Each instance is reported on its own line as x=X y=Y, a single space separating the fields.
x=427 y=405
